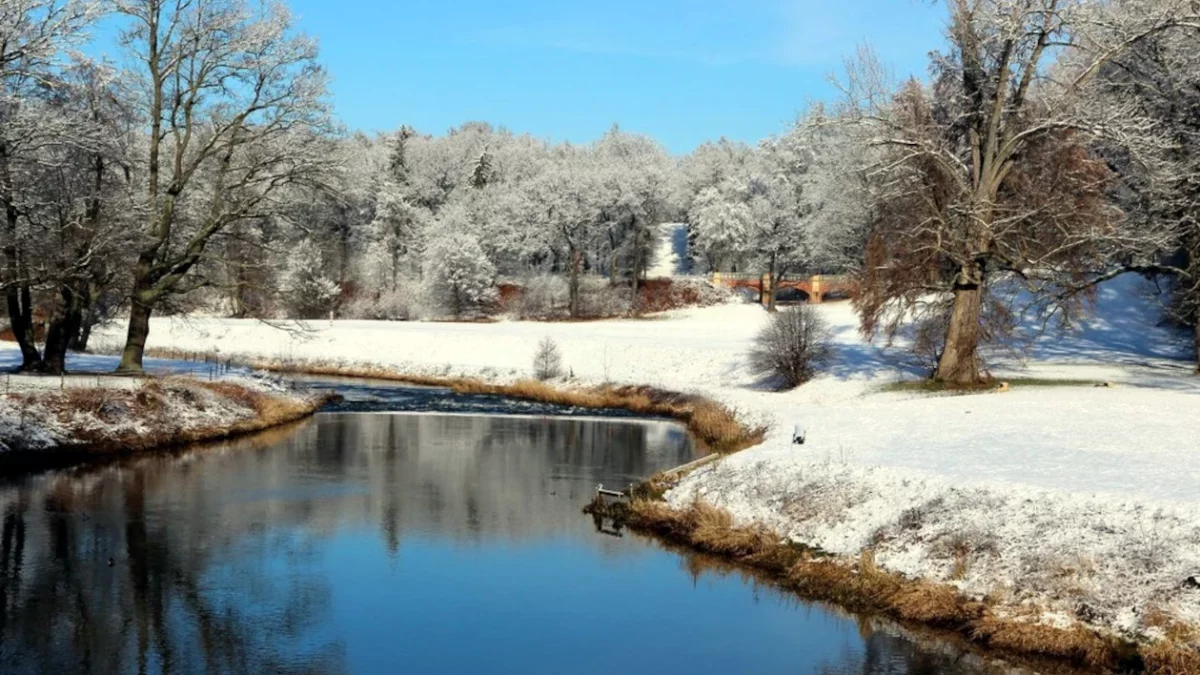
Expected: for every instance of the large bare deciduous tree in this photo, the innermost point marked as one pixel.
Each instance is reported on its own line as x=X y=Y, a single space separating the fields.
x=235 y=105
x=990 y=175
x=33 y=36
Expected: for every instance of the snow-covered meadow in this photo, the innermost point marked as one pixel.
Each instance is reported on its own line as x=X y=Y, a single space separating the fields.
x=1083 y=500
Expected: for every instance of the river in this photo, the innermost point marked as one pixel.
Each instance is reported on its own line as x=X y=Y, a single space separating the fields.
x=373 y=542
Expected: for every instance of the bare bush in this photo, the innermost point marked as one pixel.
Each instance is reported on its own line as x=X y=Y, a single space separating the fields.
x=598 y=298
x=543 y=297
x=405 y=303
x=547 y=360
x=793 y=346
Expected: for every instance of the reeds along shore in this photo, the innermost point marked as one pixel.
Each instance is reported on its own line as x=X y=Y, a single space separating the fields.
x=713 y=426
x=861 y=585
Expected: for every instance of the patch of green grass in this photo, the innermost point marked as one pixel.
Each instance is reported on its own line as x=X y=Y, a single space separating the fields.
x=1052 y=382
x=934 y=387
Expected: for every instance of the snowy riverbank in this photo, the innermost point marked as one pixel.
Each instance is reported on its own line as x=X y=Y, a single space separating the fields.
x=45 y=418
x=1081 y=501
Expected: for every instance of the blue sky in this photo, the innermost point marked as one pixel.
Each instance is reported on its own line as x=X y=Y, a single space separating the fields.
x=683 y=71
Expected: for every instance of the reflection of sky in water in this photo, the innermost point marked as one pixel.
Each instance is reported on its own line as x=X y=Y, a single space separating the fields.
x=391 y=543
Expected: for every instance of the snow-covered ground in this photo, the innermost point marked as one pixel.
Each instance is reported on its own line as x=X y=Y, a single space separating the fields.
x=1085 y=500
x=40 y=414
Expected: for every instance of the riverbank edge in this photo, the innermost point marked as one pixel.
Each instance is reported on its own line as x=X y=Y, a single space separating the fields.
x=270 y=411
x=860 y=585
x=857 y=585
x=714 y=427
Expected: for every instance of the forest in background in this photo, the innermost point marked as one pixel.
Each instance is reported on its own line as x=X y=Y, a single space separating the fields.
x=1054 y=144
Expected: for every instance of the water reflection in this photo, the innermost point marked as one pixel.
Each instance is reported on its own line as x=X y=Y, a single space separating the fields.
x=361 y=543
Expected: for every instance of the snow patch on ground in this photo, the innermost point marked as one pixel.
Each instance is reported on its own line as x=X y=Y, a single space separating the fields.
x=670 y=256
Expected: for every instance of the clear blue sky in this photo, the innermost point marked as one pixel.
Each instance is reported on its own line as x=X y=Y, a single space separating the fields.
x=682 y=71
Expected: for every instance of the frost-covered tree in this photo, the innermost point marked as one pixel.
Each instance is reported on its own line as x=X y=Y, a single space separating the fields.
x=721 y=225
x=394 y=233
x=987 y=175
x=836 y=192
x=634 y=185
x=236 y=112
x=38 y=125
x=307 y=289
x=560 y=206
x=1153 y=86
x=779 y=211
x=459 y=278
x=80 y=219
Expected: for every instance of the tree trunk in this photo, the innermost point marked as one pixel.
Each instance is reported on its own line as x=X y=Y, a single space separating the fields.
x=79 y=343
x=17 y=295
x=959 y=362
x=89 y=316
x=773 y=283
x=64 y=326
x=613 y=256
x=1196 y=331
x=634 y=299
x=135 y=339
x=573 y=283
x=20 y=316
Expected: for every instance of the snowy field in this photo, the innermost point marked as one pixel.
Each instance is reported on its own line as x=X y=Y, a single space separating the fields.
x=1133 y=439
x=1081 y=499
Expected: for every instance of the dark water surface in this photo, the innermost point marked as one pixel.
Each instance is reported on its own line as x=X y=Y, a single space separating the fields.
x=396 y=543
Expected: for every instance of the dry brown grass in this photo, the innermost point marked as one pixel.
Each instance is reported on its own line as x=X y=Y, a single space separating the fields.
x=1179 y=650
x=713 y=426
x=1171 y=658
x=861 y=585
x=148 y=405
x=933 y=604
x=1076 y=644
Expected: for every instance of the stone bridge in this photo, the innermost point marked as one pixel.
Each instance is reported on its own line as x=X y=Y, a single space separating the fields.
x=812 y=289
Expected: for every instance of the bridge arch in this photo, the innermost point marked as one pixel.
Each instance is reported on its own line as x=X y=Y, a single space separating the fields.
x=813 y=289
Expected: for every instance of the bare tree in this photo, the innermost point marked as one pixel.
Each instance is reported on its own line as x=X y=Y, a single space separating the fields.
x=33 y=35
x=80 y=222
x=236 y=110
x=547 y=360
x=987 y=176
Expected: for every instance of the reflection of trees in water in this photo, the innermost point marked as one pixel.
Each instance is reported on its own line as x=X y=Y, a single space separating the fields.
x=209 y=550
x=476 y=477
x=95 y=577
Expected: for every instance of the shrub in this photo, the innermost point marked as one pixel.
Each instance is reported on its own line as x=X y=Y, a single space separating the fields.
x=542 y=297
x=405 y=303
x=547 y=360
x=661 y=295
x=793 y=346
x=598 y=298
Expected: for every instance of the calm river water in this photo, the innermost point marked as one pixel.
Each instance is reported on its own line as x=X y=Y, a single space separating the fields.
x=396 y=543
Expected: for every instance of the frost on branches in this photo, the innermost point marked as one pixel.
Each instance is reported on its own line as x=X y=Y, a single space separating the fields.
x=309 y=294
x=458 y=275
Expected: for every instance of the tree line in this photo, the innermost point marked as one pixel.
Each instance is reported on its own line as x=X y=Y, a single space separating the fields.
x=1054 y=145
